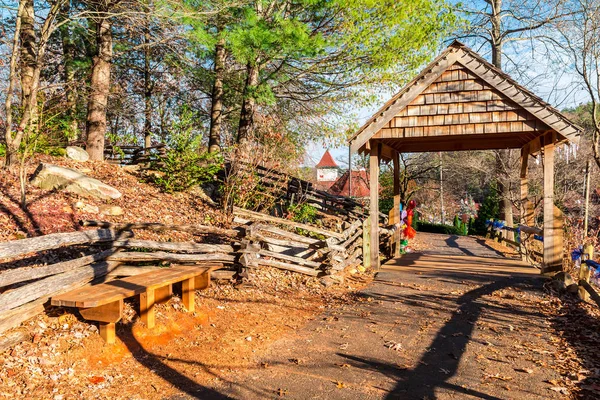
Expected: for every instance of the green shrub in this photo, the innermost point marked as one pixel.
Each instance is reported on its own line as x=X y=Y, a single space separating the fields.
x=456 y=222
x=438 y=228
x=303 y=213
x=184 y=165
x=181 y=170
x=489 y=209
x=2 y=150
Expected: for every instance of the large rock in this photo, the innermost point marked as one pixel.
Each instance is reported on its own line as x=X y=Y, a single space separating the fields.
x=48 y=176
x=77 y=153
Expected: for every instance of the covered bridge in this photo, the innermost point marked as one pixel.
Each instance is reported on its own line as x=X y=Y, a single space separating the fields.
x=462 y=102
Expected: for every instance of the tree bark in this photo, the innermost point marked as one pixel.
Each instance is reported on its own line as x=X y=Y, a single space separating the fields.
x=99 y=85
x=247 y=115
x=503 y=157
x=496 y=33
x=147 y=88
x=68 y=48
x=11 y=138
x=216 y=112
x=28 y=54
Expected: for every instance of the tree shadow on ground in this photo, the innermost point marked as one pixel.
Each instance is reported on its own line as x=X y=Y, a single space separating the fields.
x=156 y=364
x=452 y=242
x=441 y=360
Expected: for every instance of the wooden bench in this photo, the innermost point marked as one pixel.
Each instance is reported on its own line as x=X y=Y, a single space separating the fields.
x=104 y=302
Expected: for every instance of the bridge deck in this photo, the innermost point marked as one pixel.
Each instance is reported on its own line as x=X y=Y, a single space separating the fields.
x=457 y=320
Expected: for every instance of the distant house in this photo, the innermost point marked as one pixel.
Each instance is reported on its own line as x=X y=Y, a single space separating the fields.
x=359 y=187
x=327 y=171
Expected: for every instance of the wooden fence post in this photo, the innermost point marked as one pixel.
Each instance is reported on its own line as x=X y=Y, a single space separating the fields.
x=367 y=243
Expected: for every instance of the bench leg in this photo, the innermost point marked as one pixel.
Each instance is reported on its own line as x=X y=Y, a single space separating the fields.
x=163 y=294
x=202 y=281
x=106 y=315
x=187 y=294
x=107 y=332
x=147 y=308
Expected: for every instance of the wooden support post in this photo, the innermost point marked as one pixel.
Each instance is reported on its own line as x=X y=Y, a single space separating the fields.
x=396 y=210
x=552 y=247
x=163 y=294
x=367 y=243
x=187 y=294
x=202 y=281
x=584 y=276
x=108 y=332
x=524 y=198
x=374 y=203
x=147 y=308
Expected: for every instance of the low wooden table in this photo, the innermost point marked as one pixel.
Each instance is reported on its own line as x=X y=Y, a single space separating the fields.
x=104 y=302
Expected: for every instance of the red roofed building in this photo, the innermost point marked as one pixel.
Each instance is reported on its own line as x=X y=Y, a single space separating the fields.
x=360 y=184
x=327 y=171
x=327 y=161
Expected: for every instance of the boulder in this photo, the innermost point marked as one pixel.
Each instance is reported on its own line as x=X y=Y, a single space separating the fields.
x=49 y=177
x=573 y=288
x=564 y=277
x=77 y=153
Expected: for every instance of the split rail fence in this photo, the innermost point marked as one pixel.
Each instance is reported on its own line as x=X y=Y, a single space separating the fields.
x=112 y=251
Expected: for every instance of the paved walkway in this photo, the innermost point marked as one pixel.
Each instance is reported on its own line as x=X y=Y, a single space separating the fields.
x=457 y=321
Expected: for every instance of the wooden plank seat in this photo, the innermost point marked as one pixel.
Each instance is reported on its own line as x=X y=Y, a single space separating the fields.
x=104 y=302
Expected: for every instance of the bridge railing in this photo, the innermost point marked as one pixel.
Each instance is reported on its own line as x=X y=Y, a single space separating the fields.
x=520 y=238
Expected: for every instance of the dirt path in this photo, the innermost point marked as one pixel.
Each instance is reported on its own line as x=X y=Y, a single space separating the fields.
x=464 y=325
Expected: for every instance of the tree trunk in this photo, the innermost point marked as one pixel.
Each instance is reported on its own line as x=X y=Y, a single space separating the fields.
x=100 y=87
x=496 y=33
x=25 y=35
x=68 y=47
x=503 y=157
x=28 y=57
x=216 y=112
x=12 y=139
x=248 y=104
x=147 y=89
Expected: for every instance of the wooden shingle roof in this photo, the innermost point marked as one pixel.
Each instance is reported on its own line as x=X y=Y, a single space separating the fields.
x=460 y=93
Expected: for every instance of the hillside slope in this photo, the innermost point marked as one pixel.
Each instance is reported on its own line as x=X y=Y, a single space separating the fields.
x=58 y=211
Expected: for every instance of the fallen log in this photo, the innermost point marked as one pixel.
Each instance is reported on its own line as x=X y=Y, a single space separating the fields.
x=158 y=227
x=287 y=266
x=55 y=240
x=189 y=247
x=263 y=217
x=12 y=276
x=50 y=285
x=170 y=257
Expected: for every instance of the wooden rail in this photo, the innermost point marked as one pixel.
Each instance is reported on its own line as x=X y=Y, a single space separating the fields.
x=520 y=242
